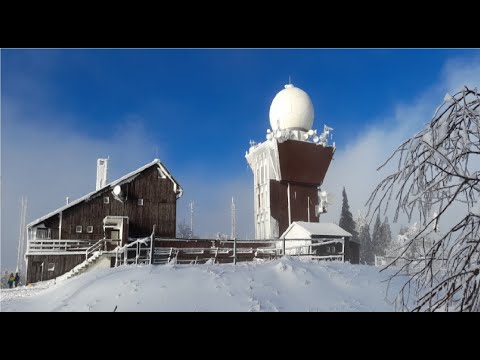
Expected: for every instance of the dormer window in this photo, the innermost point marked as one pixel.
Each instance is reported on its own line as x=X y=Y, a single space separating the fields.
x=78 y=229
x=140 y=202
x=106 y=200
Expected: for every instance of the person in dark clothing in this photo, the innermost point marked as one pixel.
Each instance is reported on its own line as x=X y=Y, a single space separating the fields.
x=17 y=279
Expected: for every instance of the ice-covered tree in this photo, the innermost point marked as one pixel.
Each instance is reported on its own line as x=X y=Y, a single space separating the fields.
x=184 y=231
x=386 y=234
x=377 y=238
x=367 y=255
x=346 y=219
x=438 y=169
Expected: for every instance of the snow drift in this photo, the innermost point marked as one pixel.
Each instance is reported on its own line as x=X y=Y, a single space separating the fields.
x=287 y=284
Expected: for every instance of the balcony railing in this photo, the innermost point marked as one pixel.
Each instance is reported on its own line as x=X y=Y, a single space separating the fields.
x=49 y=246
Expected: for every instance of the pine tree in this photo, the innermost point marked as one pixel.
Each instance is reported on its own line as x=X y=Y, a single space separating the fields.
x=346 y=219
x=387 y=232
x=377 y=237
x=384 y=238
x=366 y=245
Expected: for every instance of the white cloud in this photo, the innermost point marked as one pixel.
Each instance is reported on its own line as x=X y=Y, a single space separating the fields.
x=355 y=163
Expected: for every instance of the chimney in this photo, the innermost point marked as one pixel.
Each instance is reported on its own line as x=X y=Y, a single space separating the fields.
x=67 y=200
x=102 y=165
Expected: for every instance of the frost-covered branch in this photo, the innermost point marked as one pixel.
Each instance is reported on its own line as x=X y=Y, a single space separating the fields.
x=438 y=169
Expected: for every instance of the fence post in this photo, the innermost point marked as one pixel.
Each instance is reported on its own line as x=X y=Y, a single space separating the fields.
x=283 y=249
x=137 y=253
x=151 y=244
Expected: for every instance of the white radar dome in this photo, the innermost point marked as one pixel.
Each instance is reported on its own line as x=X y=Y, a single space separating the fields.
x=291 y=109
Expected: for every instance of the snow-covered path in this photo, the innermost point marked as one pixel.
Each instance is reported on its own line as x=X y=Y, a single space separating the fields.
x=286 y=284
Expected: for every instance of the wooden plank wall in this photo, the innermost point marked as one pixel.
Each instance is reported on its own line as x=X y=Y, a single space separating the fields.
x=159 y=207
x=304 y=162
x=299 y=194
x=63 y=263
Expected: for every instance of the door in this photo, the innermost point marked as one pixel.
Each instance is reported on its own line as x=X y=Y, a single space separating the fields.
x=36 y=271
x=115 y=234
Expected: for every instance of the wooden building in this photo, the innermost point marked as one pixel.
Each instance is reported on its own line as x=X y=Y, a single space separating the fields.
x=128 y=207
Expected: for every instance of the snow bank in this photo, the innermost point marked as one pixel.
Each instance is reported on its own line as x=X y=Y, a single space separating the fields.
x=287 y=284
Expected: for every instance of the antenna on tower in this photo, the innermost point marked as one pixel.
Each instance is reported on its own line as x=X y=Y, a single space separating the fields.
x=289 y=80
x=191 y=218
x=233 y=234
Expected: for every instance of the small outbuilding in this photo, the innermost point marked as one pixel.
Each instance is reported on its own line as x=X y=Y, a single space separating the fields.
x=323 y=240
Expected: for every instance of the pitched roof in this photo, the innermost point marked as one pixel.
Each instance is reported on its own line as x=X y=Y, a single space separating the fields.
x=317 y=229
x=176 y=187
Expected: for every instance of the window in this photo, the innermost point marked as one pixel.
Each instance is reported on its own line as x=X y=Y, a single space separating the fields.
x=51 y=267
x=106 y=200
x=89 y=229
x=140 y=202
x=43 y=233
x=78 y=229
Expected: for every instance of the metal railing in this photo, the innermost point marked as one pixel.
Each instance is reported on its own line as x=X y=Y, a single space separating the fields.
x=98 y=246
x=194 y=251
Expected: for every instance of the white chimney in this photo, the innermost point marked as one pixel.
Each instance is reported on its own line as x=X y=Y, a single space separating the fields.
x=102 y=165
x=67 y=200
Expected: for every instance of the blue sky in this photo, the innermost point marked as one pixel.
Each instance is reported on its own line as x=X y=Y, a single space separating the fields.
x=197 y=110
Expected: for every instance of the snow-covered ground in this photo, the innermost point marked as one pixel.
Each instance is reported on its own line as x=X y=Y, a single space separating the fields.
x=287 y=284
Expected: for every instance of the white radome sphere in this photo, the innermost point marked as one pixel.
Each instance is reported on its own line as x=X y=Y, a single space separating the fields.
x=291 y=109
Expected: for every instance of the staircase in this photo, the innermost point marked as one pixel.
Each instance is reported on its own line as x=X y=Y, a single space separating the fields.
x=82 y=267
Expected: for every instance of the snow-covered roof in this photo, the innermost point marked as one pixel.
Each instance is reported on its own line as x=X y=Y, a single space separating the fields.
x=176 y=187
x=306 y=230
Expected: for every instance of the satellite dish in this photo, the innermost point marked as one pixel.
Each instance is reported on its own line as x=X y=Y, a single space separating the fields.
x=268 y=131
x=310 y=132
x=315 y=139
x=305 y=136
x=117 y=190
x=269 y=136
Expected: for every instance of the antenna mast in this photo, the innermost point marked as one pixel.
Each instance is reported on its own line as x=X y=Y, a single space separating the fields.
x=191 y=218
x=21 y=236
x=233 y=235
